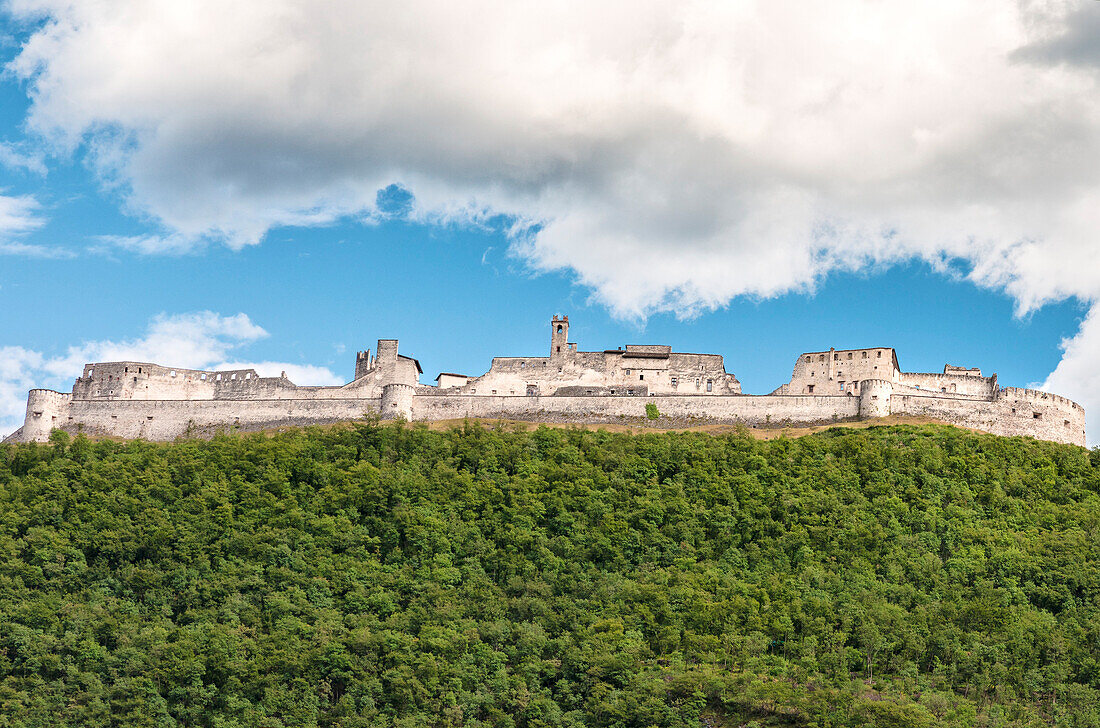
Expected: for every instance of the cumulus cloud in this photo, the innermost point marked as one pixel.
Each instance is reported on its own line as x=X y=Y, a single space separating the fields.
x=198 y=340
x=17 y=374
x=1075 y=376
x=1072 y=37
x=671 y=155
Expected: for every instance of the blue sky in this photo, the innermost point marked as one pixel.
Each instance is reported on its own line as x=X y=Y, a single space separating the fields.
x=168 y=190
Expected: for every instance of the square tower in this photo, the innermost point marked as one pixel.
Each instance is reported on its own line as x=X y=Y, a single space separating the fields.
x=559 y=336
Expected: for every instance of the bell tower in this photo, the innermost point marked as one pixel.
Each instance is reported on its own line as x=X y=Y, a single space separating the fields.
x=559 y=336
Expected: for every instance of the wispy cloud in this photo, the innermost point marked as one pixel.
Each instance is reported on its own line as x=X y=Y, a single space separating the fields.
x=20 y=215
x=20 y=157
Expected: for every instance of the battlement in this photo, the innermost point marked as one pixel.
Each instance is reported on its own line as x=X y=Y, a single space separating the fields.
x=46 y=395
x=1034 y=395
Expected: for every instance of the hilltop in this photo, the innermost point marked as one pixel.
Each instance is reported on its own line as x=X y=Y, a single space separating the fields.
x=388 y=575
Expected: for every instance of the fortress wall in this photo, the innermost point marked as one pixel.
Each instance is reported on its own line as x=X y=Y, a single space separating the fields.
x=1013 y=412
x=1050 y=418
x=1019 y=395
x=143 y=381
x=928 y=391
x=733 y=408
x=168 y=419
x=973 y=386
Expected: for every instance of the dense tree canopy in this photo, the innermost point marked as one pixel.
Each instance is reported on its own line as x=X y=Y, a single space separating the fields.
x=394 y=576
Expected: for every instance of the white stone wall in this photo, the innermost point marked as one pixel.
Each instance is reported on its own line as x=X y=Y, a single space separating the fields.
x=963 y=384
x=1012 y=412
x=168 y=419
x=729 y=408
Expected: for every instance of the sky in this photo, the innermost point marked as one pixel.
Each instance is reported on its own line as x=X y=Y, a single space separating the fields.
x=279 y=184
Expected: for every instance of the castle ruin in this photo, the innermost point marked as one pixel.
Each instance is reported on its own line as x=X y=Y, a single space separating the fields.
x=142 y=400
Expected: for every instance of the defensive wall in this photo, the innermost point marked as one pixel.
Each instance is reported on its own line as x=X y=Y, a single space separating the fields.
x=144 y=400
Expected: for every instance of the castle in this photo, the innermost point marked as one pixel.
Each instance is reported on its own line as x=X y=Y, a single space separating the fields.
x=142 y=400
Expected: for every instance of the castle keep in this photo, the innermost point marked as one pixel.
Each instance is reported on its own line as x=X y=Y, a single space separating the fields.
x=139 y=399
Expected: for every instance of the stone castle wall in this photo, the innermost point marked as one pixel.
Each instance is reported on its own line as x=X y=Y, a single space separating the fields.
x=1012 y=412
x=137 y=399
x=171 y=418
x=752 y=410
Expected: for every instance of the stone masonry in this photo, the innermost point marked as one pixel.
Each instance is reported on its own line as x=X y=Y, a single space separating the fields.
x=139 y=399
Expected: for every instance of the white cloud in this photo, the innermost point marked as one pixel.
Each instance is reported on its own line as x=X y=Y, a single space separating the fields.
x=671 y=154
x=199 y=340
x=17 y=367
x=1076 y=375
x=173 y=244
x=14 y=157
x=18 y=214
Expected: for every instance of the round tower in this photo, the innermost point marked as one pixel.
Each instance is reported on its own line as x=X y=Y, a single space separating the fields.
x=46 y=410
x=397 y=401
x=874 y=398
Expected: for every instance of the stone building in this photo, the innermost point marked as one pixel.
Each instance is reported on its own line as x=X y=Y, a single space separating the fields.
x=636 y=370
x=141 y=399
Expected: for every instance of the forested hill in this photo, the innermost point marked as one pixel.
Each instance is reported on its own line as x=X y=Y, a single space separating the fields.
x=393 y=576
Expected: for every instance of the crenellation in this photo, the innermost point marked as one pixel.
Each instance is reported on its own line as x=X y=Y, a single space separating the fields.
x=145 y=400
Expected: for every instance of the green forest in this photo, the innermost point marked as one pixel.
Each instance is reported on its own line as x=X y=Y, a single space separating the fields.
x=391 y=575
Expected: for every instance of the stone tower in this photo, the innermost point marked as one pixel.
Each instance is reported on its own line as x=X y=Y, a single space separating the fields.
x=559 y=336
